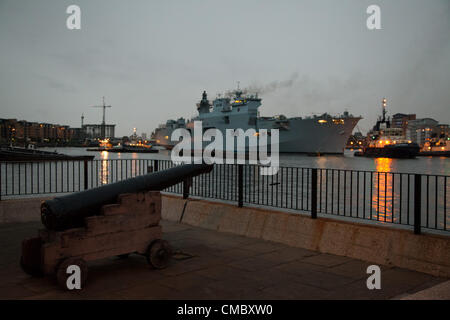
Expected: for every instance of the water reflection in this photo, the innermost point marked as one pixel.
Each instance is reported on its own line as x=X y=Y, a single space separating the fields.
x=382 y=197
x=104 y=172
x=112 y=169
x=383 y=164
x=135 y=168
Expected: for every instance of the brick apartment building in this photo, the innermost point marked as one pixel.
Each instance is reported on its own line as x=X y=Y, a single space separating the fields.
x=14 y=131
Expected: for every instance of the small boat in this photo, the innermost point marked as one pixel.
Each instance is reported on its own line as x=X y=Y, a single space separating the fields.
x=439 y=148
x=130 y=148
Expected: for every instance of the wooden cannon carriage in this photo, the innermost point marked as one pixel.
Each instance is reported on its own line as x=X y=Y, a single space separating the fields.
x=127 y=224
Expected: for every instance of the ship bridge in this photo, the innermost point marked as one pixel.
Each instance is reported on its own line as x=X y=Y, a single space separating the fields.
x=236 y=102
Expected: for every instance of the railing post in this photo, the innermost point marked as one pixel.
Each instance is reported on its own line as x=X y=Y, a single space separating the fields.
x=314 y=193
x=417 y=203
x=85 y=174
x=240 y=185
x=1 y=180
x=186 y=186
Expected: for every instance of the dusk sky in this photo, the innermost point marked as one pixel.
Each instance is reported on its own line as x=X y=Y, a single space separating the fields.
x=153 y=59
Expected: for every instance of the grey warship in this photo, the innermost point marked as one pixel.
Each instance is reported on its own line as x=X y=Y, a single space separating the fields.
x=324 y=134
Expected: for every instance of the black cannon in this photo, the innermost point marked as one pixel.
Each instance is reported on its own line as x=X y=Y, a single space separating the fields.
x=113 y=220
x=69 y=211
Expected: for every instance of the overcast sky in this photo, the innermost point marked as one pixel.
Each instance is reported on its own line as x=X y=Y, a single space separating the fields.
x=153 y=59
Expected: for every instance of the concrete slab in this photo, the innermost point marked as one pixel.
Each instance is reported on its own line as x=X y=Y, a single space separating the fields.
x=438 y=292
x=428 y=253
x=326 y=260
x=218 y=266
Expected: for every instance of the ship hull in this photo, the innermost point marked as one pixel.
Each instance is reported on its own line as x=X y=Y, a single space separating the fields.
x=299 y=136
x=397 y=151
x=310 y=136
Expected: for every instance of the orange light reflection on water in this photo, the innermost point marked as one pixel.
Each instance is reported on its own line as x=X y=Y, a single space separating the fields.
x=104 y=172
x=382 y=190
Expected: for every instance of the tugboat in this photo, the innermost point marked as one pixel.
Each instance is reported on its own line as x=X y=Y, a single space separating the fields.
x=135 y=145
x=383 y=141
x=103 y=145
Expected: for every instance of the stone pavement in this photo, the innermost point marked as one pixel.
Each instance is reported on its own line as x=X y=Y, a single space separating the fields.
x=212 y=265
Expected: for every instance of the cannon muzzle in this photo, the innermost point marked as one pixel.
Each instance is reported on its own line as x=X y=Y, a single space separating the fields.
x=69 y=211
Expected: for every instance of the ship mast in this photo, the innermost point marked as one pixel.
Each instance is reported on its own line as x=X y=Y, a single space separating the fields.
x=384 y=103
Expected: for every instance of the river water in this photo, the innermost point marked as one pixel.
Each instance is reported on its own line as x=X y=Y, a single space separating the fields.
x=423 y=165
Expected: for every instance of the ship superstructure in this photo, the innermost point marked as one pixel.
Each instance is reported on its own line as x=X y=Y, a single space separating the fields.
x=322 y=134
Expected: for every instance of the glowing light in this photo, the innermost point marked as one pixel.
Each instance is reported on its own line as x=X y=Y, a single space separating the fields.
x=104 y=172
x=381 y=198
x=322 y=121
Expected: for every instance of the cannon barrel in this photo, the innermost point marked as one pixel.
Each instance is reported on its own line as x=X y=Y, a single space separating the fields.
x=69 y=211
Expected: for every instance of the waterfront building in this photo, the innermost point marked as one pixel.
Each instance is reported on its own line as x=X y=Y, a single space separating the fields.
x=401 y=120
x=24 y=132
x=443 y=131
x=421 y=131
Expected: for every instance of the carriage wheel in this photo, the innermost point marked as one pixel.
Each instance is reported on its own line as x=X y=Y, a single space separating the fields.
x=159 y=254
x=62 y=276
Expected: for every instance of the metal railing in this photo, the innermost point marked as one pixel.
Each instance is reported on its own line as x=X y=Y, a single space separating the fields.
x=415 y=200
